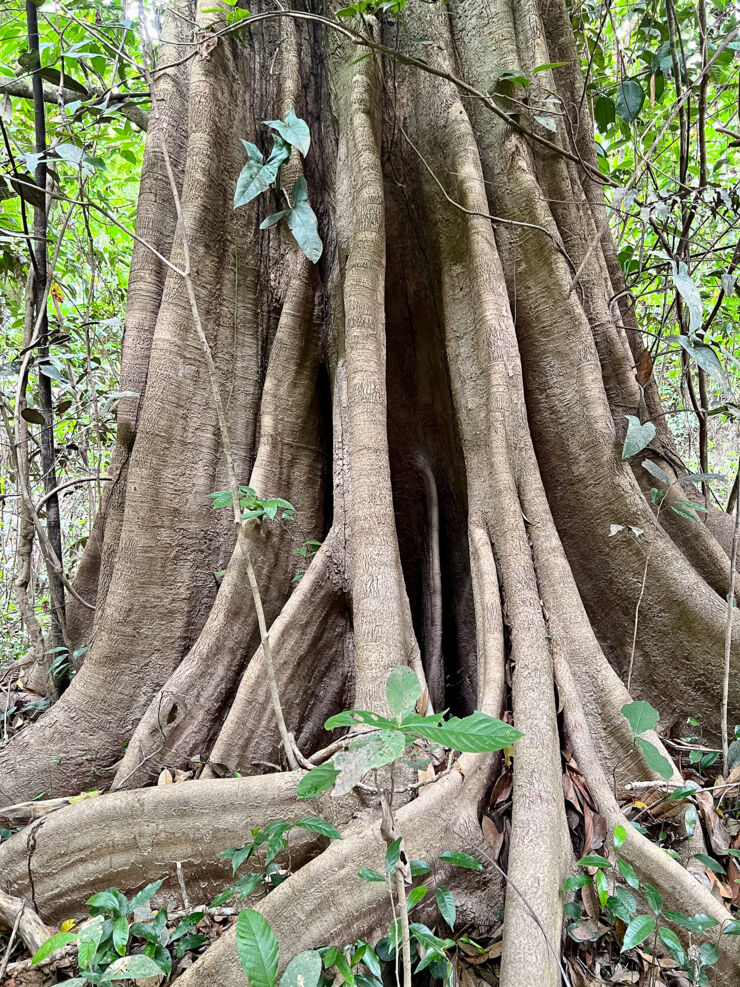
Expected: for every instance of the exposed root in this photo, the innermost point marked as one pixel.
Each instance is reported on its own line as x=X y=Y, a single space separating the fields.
x=326 y=903
x=18 y=914
x=127 y=839
x=309 y=651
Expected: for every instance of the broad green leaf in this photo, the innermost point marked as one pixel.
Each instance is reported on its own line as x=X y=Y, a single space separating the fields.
x=710 y=862
x=316 y=781
x=733 y=929
x=706 y=358
x=672 y=943
x=657 y=472
x=186 y=925
x=120 y=935
x=654 y=759
x=392 y=855
x=630 y=97
x=344 y=968
x=146 y=894
x=638 y=436
x=370 y=875
x=133 y=968
x=419 y=867
x=257 y=947
x=460 y=859
x=91 y=932
x=320 y=826
x=351 y=717
x=250 y=185
x=366 y=753
x=304 y=970
x=620 y=835
x=708 y=954
x=605 y=113
x=478 y=733
x=654 y=898
x=689 y=293
x=639 y=929
x=293 y=130
x=641 y=716
x=593 y=860
x=602 y=887
x=694 y=923
x=59 y=941
x=577 y=881
x=415 y=896
x=402 y=690
x=303 y=223
x=548 y=65
x=618 y=909
x=628 y=873
x=446 y=905
x=683 y=792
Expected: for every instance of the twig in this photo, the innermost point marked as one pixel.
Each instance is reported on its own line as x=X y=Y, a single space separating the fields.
x=11 y=941
x=183 y=889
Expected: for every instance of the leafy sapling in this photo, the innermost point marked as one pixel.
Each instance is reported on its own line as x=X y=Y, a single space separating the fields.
x=642 y=717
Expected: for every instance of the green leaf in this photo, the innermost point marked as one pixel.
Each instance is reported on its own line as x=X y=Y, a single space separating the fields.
x=59 y=941
x=186 y=925
x=654 y=759
x=370 y=875
x=303 y=223
x=415 y=896
x=630 y=97
x=320 y=826
x=446 y=905
x=366 y=753
x=683 y=792
x=605 y=113
x=708 y=954
x=459 y=859
x=419 y=867
x=654 y=898
x=602 y=886
x=628 y=873
x=293 y=130
x=593 y=860
x=344 y=968
x=392 y=855
x=733 y=929
x=108 y=901
x=637 y=931
x=694 y=923
x=657 y=472
x=402 y=689
x=689 y=293
x=548 y=65
x=710 y=862
x=672 y=943
x=146 y=894
x=577 y=881
x=641 y=716
x=478 y=733
x=316 y=781
x=620 y=835
x=257 y=947
x=351 y=717
x=120 y=935
x=515 y=76
x=91 y=932
x=252 y=183
x=304 y=970
x=706 y=358
x=638 y=436
x=133 y=968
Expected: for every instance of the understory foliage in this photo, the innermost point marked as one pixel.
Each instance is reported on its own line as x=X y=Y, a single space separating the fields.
x=375 y=589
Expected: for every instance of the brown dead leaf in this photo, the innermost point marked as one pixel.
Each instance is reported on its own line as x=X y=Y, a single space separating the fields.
x=426 y=776
x=644 y=368
x=165 y=778
x=590 y=901
x=502 y=788
x=494 y=837
x=595 y=830
x=719 y=837
x=569 y=791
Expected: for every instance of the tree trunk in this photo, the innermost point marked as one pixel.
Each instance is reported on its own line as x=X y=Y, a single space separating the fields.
x=445 y=414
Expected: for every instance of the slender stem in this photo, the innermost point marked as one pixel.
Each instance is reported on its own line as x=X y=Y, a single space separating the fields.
x=405 y=934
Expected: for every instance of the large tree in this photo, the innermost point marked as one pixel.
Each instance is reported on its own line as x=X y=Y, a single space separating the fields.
x=442 y=397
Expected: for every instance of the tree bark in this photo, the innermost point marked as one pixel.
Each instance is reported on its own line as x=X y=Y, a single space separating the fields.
x=446 y=415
